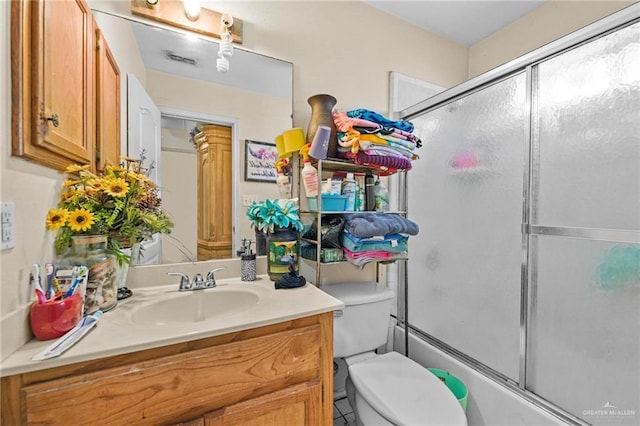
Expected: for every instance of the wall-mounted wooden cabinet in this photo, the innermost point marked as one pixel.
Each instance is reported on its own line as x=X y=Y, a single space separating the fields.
x=107 y=105
x=55 y=82
x=215 y=222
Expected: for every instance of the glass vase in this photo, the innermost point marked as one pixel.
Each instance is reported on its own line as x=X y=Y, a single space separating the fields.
x=91 y=251
x=283 y=251
x=321 y=114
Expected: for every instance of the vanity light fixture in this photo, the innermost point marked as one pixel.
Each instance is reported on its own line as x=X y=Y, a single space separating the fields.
x=189 y=15
x=225 y=51
x=192 y=9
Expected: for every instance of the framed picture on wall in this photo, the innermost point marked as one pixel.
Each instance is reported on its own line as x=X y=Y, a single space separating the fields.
x=260 y=161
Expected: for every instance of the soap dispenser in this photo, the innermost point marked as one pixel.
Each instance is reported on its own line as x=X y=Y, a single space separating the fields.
x=247 y=262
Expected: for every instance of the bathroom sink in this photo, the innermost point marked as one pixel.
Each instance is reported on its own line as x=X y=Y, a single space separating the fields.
x=196 y=306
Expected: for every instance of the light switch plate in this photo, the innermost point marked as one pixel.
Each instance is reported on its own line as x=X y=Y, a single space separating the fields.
x=7 y=223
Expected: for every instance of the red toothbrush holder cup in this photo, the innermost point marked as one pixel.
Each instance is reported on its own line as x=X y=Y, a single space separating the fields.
x=53 y=319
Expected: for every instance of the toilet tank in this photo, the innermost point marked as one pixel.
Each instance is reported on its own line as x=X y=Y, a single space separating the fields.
x=363 y=324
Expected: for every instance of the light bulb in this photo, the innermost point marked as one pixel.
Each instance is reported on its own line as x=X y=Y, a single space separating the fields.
x=222 y=64
x=226 y=45
x=192 y=9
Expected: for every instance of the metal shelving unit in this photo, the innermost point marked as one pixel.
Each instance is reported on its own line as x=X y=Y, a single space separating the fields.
x=343 y=166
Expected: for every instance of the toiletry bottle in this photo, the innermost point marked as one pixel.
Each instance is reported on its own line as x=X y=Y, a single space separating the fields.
x=360 y=198
x=248 y=266
x=349 y=189
x=369 y=191
x=282 y=181
x=382 y=197
x=309 y=174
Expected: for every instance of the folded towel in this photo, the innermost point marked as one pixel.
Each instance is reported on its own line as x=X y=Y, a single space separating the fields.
x=361 y=259
x=367 y=225
x=373 y=116
x=393 y=243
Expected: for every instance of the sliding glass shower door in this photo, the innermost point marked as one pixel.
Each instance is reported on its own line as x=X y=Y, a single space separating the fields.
x=584 y=333
x=527 y=193
x=466 y=195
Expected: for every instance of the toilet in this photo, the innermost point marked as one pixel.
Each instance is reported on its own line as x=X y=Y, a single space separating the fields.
x=387 y=389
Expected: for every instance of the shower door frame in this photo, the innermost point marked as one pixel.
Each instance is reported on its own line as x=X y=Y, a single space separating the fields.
x=526 y=63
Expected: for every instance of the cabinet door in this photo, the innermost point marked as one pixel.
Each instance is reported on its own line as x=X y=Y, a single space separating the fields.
x=108 y=105
x=53 y=82
x=215 y=221
x=295 y=405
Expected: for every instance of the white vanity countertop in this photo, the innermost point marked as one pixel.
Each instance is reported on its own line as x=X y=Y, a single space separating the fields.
x=116 y=333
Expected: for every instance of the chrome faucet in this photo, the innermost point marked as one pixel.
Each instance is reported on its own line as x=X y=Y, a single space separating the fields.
x=199 y=282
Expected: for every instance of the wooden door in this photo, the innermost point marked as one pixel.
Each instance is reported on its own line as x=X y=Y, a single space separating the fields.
x=295 y=405
x=108 y=105
x=53 y=82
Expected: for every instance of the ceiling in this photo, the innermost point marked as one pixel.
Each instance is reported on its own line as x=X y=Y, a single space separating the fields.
x=465 y=22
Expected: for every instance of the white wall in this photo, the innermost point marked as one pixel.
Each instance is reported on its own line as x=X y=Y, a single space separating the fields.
x=544 y=24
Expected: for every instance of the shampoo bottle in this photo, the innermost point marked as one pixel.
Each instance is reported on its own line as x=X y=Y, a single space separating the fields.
x=309 y=174
x=349 y=189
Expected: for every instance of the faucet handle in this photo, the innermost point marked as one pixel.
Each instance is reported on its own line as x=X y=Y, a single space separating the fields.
x=184 y=280
x=211 y=279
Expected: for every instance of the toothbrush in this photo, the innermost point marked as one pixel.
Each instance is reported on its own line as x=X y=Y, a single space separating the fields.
x=69 y=339
x=78 y=275
x=37 y=284
x=50 y=270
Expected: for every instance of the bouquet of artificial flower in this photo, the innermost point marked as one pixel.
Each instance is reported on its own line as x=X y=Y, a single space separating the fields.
x=123 y=204
x=268 y=214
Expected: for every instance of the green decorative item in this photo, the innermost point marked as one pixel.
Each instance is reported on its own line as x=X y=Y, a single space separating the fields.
x=280 y=220
x=283 y=252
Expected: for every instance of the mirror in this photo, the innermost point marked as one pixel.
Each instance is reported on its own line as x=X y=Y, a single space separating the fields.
x=178 y=71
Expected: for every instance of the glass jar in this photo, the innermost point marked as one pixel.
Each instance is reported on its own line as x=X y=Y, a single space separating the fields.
x=282 y=253
x=102 y=289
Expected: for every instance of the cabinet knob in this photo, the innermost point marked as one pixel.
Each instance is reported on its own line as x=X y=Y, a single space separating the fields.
x=54 y=119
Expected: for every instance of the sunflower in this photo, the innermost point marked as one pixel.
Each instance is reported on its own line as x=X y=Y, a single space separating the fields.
x=116 y=187
x=68 y=195
x=56 y=218
x=95 y=184
x=139 y=177
x=74 y=168
x=80 y=220
x=70 y=182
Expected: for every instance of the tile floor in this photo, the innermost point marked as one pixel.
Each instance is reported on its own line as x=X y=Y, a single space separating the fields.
x=342 y=413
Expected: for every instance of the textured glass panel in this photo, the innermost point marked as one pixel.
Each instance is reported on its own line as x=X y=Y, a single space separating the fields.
x=584 y=338
x=465 y=192
x=588 y=127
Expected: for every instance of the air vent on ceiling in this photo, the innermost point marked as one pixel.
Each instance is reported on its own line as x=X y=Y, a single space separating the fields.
x=179 y=58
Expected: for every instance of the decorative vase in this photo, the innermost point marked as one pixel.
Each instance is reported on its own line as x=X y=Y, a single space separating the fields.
x=283 y=252
x=261 y=243
x=101 y=292
x=122 y=270
x=321 y=109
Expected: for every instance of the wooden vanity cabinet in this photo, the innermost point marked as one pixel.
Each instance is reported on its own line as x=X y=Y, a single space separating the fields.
x=54 y=83
x=280 y=374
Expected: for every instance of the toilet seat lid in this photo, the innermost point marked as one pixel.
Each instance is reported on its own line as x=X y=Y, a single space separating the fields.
x=404 y=392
